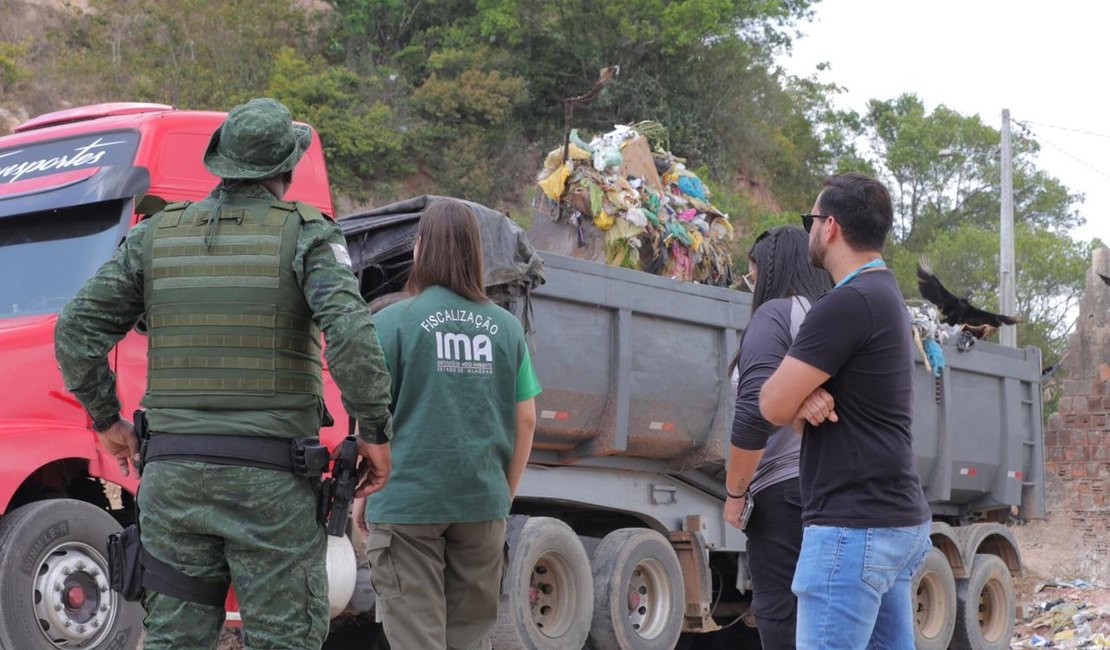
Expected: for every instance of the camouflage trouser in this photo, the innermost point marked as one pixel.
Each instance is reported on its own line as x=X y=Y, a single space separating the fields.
x=254 y=527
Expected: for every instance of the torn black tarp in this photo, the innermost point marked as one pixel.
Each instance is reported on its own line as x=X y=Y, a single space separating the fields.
x=380 y=242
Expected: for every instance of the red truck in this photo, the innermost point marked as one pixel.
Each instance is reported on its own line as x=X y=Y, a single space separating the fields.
x=71 y=184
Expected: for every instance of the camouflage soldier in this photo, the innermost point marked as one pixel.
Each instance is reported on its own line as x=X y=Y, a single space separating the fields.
x=235 y=289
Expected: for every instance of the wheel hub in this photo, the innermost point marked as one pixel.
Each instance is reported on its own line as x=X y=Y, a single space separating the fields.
x=991 y=615
x=649 y=605
x=71 y=598
x=549 y=595
x=929 y=606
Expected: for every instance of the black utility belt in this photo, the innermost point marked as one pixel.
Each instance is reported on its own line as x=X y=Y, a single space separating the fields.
x=132 y=570
x=301 y=456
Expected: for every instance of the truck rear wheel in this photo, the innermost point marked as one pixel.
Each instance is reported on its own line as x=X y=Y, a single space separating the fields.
x=986 y=606
x=549 y=599
x=54 y=561
x=934 y=593
x=639 y=597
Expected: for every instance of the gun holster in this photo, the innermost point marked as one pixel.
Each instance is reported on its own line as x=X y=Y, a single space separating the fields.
x=125 y=563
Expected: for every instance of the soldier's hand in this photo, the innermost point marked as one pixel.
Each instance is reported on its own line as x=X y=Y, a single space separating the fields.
x=121 y=441
x=375 y=468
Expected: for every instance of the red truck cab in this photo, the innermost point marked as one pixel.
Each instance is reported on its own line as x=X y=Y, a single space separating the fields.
x=70 y=183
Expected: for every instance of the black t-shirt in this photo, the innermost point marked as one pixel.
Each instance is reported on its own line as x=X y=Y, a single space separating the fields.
x=859 y=472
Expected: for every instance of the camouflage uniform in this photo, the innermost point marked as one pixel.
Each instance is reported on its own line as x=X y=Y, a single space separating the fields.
x=253 y=527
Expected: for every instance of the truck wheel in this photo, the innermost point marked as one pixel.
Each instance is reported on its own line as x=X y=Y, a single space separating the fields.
x=550 y=598
x=986 y=606
x=934 y=592
x=54 y=561
x=639 y=597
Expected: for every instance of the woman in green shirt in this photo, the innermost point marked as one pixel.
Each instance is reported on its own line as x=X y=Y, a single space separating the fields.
x=464 y=415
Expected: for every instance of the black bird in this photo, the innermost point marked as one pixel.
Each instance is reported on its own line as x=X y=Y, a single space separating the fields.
x=956 y=311
x=1104 y=278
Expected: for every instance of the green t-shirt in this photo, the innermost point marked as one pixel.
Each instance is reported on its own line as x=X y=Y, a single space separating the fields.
x=459 y=368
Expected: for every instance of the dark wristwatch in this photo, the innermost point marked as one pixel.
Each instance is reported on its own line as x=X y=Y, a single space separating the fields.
x=100 y=426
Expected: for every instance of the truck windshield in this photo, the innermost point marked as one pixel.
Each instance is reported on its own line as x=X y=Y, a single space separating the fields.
x=45 y=257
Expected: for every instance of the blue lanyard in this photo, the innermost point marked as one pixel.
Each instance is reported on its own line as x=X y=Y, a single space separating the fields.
x=873 y=264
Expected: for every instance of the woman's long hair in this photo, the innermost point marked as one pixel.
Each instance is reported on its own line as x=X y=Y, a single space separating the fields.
x=781 y=257
x=450 y=251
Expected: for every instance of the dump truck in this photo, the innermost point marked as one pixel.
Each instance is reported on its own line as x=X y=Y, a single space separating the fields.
x=617 y=534
x=616 y=538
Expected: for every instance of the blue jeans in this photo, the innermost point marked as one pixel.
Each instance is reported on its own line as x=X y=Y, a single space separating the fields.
x=853 y=587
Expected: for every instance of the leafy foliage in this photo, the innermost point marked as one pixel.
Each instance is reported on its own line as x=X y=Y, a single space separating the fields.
x=944 y=172
x=464 y=96
x=357 y=126
x=12 y=71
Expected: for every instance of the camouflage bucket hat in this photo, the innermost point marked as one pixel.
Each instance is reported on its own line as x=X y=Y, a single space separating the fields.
x=257 y=140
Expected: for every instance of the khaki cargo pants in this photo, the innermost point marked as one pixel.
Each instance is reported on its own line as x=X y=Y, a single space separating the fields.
x=437 y=584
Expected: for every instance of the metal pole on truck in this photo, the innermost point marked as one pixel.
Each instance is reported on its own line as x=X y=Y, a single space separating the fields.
x=1008 y=334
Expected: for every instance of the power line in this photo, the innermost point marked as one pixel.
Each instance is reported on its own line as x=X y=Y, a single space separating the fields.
x=1065 y=128
x=1040 y=139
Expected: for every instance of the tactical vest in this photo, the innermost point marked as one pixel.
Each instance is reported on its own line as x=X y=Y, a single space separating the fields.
x=228 y=324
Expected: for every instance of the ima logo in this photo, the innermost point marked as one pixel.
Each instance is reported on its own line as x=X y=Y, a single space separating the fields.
x=460 y=347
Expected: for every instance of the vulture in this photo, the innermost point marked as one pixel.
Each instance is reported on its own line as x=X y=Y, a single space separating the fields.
x=954 y=310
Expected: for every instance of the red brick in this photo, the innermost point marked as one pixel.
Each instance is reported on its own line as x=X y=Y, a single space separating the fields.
x=1093 y=469
x=1076 y=387
x=1094 y=438
x=1106 y=402
x=1064 y=405
x=1079 y=470
x=1077 y=437
x=1055 y=422
x=1100 y=452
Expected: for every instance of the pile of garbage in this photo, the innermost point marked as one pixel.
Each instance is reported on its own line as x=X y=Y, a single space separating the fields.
x=652 y=213
x=1064 y=620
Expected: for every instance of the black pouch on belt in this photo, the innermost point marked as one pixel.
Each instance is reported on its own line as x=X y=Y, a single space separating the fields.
x=125 y=563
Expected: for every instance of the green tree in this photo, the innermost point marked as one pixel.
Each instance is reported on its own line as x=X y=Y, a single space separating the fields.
x=208 y=54
x=943 y=171
x=358 y=128
x=12 y=71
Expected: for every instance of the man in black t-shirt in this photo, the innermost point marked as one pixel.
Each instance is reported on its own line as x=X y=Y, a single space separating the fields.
x=847 y=379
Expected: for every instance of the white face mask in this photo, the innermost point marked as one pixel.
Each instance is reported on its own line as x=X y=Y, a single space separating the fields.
x=748 y=281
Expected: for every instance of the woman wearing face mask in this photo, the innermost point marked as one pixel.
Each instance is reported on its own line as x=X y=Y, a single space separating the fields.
x=763 y=460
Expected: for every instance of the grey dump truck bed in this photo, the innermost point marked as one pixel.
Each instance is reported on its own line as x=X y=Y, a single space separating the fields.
x=634 y=367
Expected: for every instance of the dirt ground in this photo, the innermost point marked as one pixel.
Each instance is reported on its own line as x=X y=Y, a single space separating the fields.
x=1062 y=574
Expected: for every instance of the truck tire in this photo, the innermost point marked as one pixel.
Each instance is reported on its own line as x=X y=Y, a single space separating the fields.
x=986 y=606
x=639 y=595
x=549 y=599
x=54 y=561
x=934 y=593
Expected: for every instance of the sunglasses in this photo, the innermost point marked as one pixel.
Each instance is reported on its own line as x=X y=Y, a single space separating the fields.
x=807 y=220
